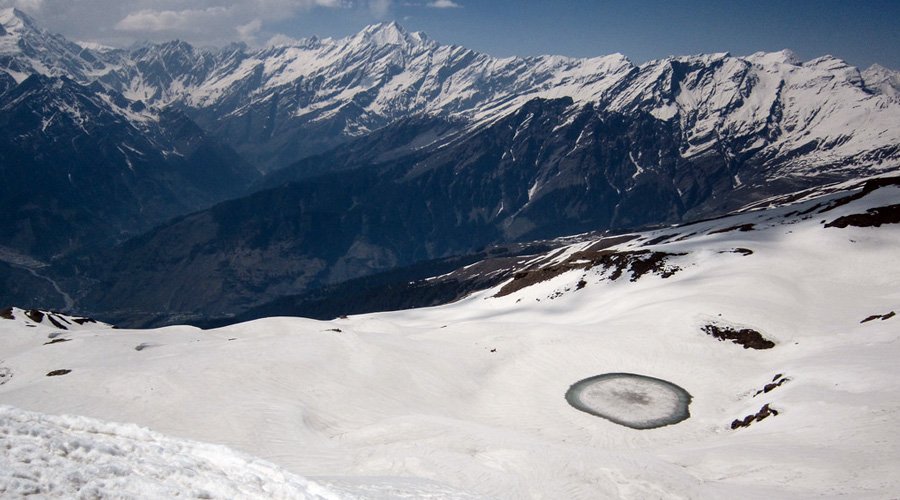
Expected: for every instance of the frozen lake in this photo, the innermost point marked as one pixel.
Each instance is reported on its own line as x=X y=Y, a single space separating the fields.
x=632 y=400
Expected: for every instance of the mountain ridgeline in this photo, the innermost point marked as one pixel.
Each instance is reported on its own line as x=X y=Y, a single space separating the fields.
x=385 y=149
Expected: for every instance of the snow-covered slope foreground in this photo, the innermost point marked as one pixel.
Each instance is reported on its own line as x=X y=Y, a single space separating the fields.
x=472 y=394
x=71 y=456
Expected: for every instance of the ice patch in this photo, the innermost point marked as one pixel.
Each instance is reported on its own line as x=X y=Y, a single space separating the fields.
x=635 y=401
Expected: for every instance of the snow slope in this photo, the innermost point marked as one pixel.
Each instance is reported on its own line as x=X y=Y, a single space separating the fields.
x=469 y=397
x=71 y=456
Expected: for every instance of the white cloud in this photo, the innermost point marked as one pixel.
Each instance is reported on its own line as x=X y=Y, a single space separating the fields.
x=171 y=20
x=204 y=22
x=380 y=8
x=211 y=21
x=444 y=4
x=248 y=31
x=30 y=6
x=273 y=9
x=279 y=39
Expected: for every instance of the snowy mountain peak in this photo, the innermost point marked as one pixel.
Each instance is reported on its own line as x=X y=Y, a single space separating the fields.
x=705 y=59
x=12 y=18
x=883 y=81
x=13 y=24
x=95 y=46
x=28 y=49
x=827 y=61
x=383 y=34
x=390 y=30
x=19 y=29
x=784 y=56
x=879 y=69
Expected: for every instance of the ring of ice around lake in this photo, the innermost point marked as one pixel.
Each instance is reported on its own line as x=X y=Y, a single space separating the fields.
x=632 y=400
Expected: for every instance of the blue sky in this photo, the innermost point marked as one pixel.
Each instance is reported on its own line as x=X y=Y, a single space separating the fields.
x=859 y=31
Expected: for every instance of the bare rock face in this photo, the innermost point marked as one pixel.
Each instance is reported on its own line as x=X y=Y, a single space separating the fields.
x=763 y=413
x=747 y=337
x=882 y=317
x=874 y=217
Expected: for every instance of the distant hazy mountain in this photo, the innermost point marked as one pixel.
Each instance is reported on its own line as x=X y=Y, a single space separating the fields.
x=82 y=164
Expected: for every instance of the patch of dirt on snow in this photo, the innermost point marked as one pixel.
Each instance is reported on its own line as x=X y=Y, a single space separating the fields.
x=763 y=412
x=882 y=317
x=874 y=217
x=776 y=382
x=742 y=228
x=750 y=339
x=656 y=241
x=870 y=186
x=638 y=262
x=57 y=319
x=35 y=315
x=743 y=251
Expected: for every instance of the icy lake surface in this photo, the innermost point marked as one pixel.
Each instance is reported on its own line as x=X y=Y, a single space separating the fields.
x=632 y=400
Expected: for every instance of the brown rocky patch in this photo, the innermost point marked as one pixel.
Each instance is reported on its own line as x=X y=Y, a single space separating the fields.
x=57 y=373
x=742 y=228
x=750 y=339
x=38 y=316
x=870 y=186
x=656 y=241
x=56 y=322
x=874 y=217
x=763 y=412
x=776 y=382
x=882 y=317
x=638 y=263
x=35 y=315
x=743 y=251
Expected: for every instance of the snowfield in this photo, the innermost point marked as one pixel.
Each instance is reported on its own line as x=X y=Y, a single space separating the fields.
x=468 y=400
x=72 y=456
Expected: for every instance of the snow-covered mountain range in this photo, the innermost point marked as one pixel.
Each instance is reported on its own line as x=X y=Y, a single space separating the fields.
x=443 y=151
x=779 y=321
x=821 y=113
x=85 y=166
